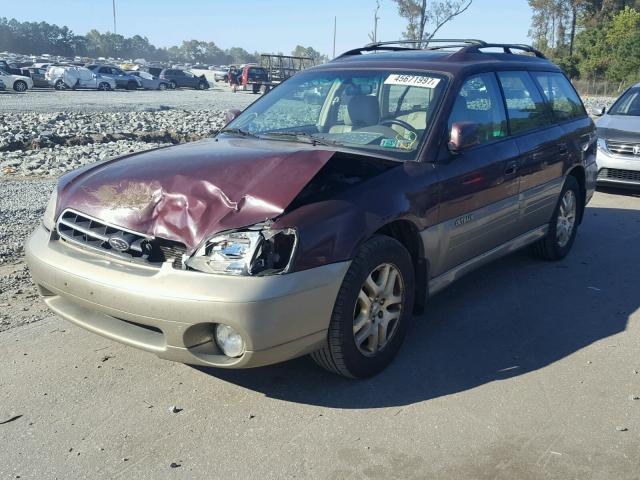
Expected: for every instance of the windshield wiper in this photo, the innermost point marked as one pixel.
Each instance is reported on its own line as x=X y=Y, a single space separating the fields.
x=304 y=137
x=238 y=131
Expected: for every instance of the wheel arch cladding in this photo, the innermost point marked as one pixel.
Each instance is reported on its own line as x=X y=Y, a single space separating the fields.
x=405 y=232
x=579 y=174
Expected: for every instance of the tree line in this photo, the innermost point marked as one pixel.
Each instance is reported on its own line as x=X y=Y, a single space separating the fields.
x=35 y=38
x=590 y=39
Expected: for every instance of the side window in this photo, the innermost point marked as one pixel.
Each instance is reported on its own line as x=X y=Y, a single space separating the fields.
x=479 y=101
x=563 y=99
x=105 y=70
x=525 y=107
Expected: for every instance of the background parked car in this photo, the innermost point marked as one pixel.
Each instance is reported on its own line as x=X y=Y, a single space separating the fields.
x=67 y=77
x=149 y=82
x=220 y=75
x=253 y=78
x=122 y=78
x=155 y=71
x=619 y=140
x=37 y=75
x=184 y=78
x=11 y=68
x=19 y=83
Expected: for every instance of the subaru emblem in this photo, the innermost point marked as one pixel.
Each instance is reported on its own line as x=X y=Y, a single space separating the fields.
x=119 y=243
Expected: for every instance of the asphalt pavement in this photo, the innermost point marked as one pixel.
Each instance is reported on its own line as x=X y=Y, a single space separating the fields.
x=522 y=370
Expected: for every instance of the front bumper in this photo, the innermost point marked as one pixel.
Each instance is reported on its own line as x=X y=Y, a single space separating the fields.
x=172 y=313
x=618 y=170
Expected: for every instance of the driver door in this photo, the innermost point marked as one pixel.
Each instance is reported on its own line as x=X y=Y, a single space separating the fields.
x=478 y=185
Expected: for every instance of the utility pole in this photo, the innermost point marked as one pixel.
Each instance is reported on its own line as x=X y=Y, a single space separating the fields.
x=375 y=22
x=335 y=26
x=114 y=16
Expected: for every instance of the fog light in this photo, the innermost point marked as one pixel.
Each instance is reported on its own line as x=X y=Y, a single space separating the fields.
x=229 y=341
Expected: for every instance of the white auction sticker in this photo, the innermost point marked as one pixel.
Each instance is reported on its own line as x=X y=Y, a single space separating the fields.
x=422 y=81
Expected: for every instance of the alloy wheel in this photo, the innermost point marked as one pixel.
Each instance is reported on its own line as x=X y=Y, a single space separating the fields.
x=378 y=309
x=566 y=218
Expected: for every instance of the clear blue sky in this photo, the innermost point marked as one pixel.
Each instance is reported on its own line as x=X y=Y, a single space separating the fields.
x=267 y=25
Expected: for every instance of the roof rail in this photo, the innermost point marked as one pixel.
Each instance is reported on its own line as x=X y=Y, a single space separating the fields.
x=466 y=45
x=395 y=45
x=506 y=47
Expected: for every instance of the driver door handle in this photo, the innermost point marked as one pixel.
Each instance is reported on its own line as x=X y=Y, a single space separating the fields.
x=512 y=168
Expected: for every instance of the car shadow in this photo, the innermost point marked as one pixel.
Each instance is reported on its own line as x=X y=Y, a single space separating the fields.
x=509 y=318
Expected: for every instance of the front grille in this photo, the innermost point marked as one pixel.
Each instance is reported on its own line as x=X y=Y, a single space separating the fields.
x=97 y=235
x=618 y=174
x=623 y=148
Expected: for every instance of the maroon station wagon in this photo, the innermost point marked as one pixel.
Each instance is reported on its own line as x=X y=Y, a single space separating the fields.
x=321 y=219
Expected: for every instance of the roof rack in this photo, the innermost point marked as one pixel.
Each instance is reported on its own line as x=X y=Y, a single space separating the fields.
x=467 y=45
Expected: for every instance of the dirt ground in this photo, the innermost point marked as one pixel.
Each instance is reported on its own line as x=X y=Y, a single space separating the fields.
x=522 y=370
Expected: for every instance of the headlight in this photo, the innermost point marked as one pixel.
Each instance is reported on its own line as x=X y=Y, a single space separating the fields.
x=49 y=217
x=602 y=145
x=230 y=342
x=254 y=251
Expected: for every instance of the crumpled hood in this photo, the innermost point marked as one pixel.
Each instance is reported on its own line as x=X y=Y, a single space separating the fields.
x=623 y=128
x=188 y=192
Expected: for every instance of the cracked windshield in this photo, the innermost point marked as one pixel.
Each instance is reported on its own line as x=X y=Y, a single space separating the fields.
x=384 y=111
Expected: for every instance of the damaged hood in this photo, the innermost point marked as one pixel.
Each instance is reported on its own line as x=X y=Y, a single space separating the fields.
x=189 y=192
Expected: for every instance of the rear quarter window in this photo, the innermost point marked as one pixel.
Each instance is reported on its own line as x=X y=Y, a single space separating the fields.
x=564 y=100
x=525 y=107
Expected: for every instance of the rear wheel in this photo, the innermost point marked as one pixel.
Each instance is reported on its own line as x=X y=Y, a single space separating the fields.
x=20 y=86
x=255 y=88
x=60 y=85
x=372 y=312
x=104 y=86
x=563 y=226
x=173 y=85
x=162 y=86
x=202 y=86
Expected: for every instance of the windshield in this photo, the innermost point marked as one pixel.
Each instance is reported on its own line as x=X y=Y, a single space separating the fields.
x=384 y=111
x=627 y=104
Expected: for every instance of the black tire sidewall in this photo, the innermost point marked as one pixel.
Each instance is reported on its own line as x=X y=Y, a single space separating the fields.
x=385 y=250
x=560 y=252
x=23 y=88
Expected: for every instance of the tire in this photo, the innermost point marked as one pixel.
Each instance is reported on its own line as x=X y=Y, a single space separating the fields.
x=202 y=86
x=342 y=353
x=20 y=86
x=173 y=85
x=558 y=242
x=162 y=86
x=132 y=86
x=60 y=85
x=104 y=86
x=255 y=88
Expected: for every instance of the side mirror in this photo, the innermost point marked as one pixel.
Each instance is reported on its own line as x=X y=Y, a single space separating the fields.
x=598 y=111
x=463 y=135
x=231 y=114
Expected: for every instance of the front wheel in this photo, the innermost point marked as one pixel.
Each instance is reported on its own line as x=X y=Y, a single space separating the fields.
x=60 y=85
x=563 y=226
x=173 y=85
x=104 y=86
x=373 y=311
x=202 y=86
x=20 y=86
x=162 y=86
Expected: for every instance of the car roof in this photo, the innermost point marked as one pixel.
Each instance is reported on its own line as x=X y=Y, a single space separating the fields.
x=455 y=62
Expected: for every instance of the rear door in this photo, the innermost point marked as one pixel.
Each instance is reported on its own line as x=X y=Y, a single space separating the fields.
x=479 y=186
x=542 y=150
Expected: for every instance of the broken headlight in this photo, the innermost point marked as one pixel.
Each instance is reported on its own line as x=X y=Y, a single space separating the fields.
x=254 y=251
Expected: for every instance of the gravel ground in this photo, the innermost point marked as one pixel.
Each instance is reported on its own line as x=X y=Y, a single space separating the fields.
x=46 y=101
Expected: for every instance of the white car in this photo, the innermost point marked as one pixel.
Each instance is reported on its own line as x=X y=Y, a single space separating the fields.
x=18 y=83
x=63 y=78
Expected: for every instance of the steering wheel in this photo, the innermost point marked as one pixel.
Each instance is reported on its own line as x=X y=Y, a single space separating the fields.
x=401 y=123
